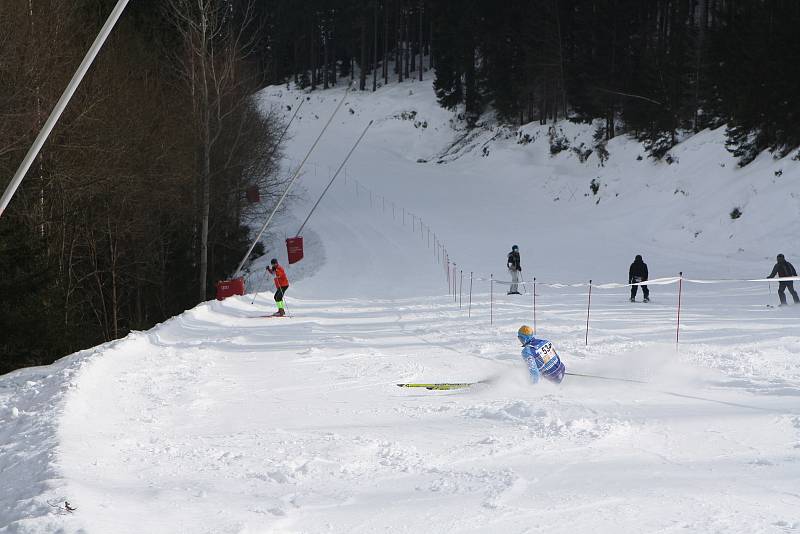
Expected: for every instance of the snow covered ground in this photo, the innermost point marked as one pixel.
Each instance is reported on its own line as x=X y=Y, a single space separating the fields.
x=221 y=420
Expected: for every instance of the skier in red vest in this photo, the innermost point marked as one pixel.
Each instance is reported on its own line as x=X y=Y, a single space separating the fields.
x=281 y=285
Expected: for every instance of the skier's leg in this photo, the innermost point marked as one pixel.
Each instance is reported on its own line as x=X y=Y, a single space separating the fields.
x=279 y=300
x=790 y=286
x=646 y=293
x=633 y=293
x=513 y=287
x=280 y=303
x=781 y=292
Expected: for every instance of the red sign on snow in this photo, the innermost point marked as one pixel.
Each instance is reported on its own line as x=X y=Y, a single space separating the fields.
x=294 y=249
x=227 y=288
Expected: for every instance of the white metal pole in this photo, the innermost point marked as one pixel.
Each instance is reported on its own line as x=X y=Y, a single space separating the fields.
x=61 y=104
x=291 y=182
x=360 y=137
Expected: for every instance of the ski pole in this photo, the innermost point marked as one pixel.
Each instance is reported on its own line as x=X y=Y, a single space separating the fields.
x=588 y=307
x=491 y=298
x=606 y=378
x=678 y=322
x=256 y=293
x=534 y=305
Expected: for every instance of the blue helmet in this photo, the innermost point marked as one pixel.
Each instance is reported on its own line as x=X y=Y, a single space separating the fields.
x=525 y=334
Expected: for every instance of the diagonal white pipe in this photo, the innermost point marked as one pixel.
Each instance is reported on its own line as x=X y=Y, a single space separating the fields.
x=291 y=182
x=61 y=104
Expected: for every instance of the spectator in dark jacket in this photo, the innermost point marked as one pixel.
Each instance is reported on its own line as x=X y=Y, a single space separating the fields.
x=514 y=269
x=638 y=273
x=784 y=269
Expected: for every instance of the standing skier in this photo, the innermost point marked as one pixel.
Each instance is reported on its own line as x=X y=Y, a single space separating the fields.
x=541 y=357
x=638 y=273
x=784 y=269
x=514 y=269
x=281 y=285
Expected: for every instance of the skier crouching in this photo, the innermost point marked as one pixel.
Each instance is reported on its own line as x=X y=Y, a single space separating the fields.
x=281 y=285
x=541 y=357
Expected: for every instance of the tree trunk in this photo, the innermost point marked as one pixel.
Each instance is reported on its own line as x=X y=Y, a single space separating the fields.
x=406 y=42
x=205 y=203
x=326 y=70
x=313 y=50
x=421 y=44
x=386 y=42
x=374 y=45
x=701 y=39
x=430 y=48
x=362 y=76
x=398 y=63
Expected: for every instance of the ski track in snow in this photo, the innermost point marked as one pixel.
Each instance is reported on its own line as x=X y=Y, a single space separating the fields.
x=220 y=420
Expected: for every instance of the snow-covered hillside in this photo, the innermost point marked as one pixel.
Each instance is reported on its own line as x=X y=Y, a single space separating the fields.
x=221 y=420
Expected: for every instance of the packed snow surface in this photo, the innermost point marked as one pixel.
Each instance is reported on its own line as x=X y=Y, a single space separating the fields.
x=221 y=420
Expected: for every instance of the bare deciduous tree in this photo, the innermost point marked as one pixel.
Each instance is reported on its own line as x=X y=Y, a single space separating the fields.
x=216 y=42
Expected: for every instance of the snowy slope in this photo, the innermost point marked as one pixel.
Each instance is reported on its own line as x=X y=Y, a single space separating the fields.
x=220 y=420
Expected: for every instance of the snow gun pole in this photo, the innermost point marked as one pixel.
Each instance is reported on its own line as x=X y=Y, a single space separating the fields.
x=291 y=182
x=588 y=307
x=678 y=322
x=448 y=276
x=491 y=298
x=469 y=312
x=534 y=305
x=341 y=166
x=61 y=105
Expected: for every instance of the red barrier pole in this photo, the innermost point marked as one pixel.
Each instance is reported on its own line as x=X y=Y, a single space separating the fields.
x=588 y=307
x=453 y=278
x=455 y=297
x=678 y=324
x=534 y=305
x=491 y=299
x=469 y=313
x=460 y=287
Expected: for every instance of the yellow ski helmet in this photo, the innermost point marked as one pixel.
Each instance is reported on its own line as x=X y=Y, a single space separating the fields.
x=525 y=334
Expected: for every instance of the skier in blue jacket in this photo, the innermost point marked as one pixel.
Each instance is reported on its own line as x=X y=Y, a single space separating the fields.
x=541 y=357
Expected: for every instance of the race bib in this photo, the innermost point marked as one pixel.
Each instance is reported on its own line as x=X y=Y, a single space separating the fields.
x=547 y=352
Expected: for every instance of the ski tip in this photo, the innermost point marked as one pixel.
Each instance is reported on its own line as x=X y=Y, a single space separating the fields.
x=430 y=386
